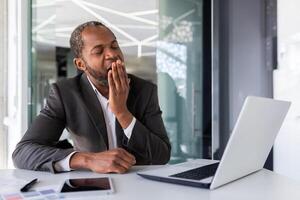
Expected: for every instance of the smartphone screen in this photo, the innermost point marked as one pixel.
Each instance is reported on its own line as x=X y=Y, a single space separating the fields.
x=86 y=184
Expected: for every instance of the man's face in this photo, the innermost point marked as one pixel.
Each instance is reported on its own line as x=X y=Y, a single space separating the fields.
x=100 y=50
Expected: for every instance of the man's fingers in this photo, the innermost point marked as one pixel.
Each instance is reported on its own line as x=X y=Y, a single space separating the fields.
x=129 y=159
x=126 y=156
x=129 y=155
x=121 y=74
x=123 y=163
x=120 y=162
x=116 y=160
x=111 y=83
x=117 y=168
x=125 y=74
x=116 y=76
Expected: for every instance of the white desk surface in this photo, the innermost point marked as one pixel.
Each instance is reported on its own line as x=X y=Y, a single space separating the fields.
x=261 y=185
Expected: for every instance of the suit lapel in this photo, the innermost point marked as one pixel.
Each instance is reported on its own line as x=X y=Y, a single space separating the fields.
x=131 y=95
x=93 y=107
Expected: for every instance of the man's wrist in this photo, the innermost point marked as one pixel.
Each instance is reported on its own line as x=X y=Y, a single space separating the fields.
x=80 y=160
x=124 y=118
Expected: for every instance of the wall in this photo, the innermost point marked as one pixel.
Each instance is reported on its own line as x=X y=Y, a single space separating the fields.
x=17 y=72
x=287 y=87
x=3 y=85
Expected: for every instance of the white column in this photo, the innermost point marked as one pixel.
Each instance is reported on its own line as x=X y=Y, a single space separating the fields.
x=3 y=83
x=18 y=54
x=287 y=87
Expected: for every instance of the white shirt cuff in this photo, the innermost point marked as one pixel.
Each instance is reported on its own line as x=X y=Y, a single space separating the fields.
x=64 y=164
x=128 y=130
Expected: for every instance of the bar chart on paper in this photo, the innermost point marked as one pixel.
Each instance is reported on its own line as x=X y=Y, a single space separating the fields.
x=32 y=195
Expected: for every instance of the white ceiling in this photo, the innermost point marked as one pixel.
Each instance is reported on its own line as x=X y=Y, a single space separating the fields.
x=134 y=22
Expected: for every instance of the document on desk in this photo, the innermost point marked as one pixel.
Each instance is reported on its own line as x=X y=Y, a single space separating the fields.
x=34 y=194
x=10 y=190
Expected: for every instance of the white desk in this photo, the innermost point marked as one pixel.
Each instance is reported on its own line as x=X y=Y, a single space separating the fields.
x=261 y=185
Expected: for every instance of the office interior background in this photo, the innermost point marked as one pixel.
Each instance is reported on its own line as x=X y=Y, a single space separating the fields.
x=206 y=56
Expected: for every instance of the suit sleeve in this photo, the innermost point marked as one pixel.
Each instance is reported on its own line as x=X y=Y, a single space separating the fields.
x=149 y=141
x=37 y=149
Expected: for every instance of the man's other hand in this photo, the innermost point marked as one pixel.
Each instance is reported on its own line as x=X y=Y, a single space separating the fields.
x=115 y=160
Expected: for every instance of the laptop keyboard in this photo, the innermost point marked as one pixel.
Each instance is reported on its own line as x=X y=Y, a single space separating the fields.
x=198 y=173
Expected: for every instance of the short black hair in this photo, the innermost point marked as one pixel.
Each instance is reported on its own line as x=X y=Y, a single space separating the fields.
x=76 y=42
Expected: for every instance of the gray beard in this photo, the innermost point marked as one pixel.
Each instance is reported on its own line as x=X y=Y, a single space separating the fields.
x=99 y=78
x=103 y=82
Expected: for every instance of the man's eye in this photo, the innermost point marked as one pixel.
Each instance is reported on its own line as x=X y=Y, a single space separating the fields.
x=115 y=47
x=98 y=52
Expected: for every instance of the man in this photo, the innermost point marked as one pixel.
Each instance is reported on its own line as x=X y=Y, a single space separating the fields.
x=113 y=117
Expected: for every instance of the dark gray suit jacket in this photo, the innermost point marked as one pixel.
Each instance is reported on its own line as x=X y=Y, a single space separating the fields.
x=73 y=104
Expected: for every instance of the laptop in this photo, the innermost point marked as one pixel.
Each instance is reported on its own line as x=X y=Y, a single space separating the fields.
x=246 y=152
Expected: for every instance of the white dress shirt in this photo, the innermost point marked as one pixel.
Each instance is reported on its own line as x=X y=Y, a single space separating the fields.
x=110 y=122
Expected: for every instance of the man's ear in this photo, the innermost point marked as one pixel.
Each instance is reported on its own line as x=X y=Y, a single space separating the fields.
x=78 y=62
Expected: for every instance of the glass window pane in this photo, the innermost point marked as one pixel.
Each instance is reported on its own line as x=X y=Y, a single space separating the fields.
x=162 y=42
